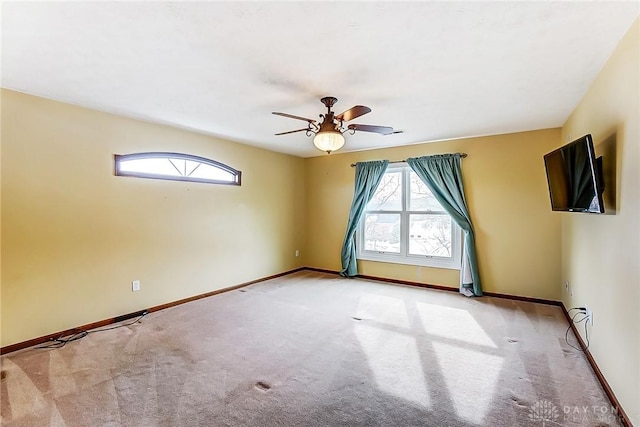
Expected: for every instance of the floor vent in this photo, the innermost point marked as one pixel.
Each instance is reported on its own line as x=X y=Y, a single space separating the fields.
x=129 y=316
x=262 y=386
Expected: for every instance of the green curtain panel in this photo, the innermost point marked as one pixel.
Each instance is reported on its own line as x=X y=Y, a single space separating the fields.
x=368 y=177
x=443 y=175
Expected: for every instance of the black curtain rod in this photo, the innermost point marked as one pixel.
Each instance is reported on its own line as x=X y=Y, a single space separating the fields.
x=463 y=155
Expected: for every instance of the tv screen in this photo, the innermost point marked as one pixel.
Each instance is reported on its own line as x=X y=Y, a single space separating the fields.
x=575 y=177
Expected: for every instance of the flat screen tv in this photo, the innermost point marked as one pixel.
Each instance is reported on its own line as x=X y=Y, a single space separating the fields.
x=575 y=177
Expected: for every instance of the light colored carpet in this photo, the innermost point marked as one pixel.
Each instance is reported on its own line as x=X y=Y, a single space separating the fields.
x=312 y=349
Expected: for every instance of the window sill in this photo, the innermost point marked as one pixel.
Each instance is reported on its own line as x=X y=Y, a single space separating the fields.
x=433 y=262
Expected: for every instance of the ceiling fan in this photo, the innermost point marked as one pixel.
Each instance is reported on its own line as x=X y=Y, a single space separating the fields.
x=328 y=133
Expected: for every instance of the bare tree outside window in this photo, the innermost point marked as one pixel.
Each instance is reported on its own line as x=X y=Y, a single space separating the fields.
x=388 y=196
x=382 y=232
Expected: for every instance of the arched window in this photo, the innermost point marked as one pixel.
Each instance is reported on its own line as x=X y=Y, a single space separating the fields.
x=176 y=167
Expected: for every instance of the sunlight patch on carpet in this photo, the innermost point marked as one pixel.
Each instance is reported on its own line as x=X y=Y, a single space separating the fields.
x=471 y=378
x=24 y=396
x=56 y=419
x=384 y=309
x=452 y=323
x=395 y=363
x=60 y=376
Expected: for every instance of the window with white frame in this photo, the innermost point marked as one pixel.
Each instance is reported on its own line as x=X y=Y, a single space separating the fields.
x=176 y=167
x=404 y=223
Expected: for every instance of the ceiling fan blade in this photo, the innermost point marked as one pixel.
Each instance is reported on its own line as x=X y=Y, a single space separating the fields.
x=291 y=116
x=353 y=112
x=383 y=130
x=292 y=131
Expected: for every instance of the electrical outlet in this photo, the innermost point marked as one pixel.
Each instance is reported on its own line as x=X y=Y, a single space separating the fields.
x=297 y=252
x=135 y=285
x=589 y=315
x=567 y=287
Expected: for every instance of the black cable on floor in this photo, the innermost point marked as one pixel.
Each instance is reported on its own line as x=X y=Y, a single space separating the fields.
x=79 y=334
x=586 y=329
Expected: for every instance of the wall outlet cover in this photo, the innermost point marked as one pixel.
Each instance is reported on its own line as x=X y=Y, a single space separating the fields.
x=589 y=315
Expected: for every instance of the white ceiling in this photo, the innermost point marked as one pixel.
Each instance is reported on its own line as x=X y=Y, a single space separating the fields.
x=437 y=70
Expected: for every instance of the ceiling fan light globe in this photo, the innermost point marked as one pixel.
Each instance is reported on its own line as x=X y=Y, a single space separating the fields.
x=328 y=141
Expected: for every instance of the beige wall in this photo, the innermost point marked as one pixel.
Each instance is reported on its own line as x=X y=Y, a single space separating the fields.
x=518 y=237
x=601 y=253
x=75 y=236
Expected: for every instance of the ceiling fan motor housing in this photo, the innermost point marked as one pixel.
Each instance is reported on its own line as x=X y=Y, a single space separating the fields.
x=330 y=124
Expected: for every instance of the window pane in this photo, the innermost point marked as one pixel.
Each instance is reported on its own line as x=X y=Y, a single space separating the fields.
x=156 y=166
x=421 y=197
x=210 y=172
x=430 y=235
x=382 y=232
x=388 y=196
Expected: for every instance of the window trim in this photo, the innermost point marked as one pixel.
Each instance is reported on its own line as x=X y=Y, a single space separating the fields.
x=453 y=263
x=154 y=155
